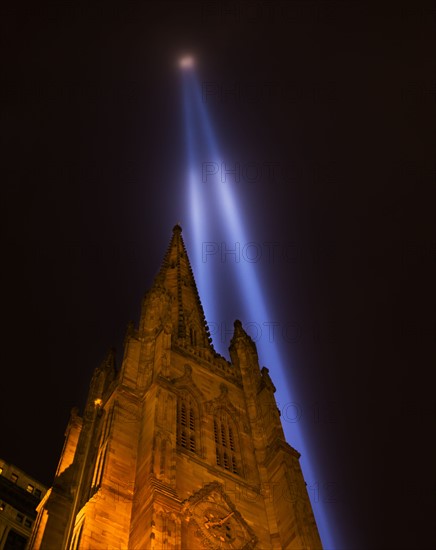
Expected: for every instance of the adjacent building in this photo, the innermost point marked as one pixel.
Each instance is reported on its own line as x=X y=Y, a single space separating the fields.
x=20 y=494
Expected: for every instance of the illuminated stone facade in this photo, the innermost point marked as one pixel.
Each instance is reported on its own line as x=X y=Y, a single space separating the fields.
x=180 y=449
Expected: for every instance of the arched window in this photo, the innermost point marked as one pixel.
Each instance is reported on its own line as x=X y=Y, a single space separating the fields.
x=102 y=451
x=163 y=450
x=193 y=336
x=187 y=423
x=99 y=467
x=75 y=542
x=225 y=443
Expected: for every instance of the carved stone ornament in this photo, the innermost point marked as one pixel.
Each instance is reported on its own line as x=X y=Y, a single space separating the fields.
x=217 y=522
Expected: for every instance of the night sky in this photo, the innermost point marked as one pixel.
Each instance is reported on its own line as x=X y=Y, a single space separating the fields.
x=338 y=96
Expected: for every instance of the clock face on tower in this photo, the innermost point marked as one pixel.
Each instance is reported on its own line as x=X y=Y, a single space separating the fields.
x=219 y=525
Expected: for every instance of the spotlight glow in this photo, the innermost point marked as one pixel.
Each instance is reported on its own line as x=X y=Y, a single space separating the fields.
x=186 y=62
x=207 y=206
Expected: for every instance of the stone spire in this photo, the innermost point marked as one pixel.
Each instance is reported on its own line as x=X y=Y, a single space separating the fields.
x=176 y=279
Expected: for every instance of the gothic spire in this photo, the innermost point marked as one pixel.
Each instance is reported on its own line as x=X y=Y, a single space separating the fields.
x=176 y=277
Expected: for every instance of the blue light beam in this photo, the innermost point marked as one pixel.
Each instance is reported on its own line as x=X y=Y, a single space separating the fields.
x=203 y=140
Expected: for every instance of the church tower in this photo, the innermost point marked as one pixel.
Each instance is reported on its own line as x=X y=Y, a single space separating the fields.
x=180 y=448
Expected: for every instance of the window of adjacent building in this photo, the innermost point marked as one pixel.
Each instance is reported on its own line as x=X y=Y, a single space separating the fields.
x=20 y=518
x=14 y=478
x=37 y=493
x=187 y=423
x=30 y=488
x=27 y=523
x=15 y=541
x=225 y=444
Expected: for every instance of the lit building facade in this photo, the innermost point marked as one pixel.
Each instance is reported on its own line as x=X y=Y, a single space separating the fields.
x=20 y=494
x=180 y=448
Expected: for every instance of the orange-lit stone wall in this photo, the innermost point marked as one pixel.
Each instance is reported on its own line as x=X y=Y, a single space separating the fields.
x=179 y=448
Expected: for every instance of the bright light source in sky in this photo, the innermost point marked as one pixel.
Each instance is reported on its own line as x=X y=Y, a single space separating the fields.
x=186 y=62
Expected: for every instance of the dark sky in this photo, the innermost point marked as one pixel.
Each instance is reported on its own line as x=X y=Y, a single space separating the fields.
x=339 y=95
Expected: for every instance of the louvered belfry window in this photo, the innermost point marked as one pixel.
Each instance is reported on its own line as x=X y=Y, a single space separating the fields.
x=187 y=423
x=225 y=443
